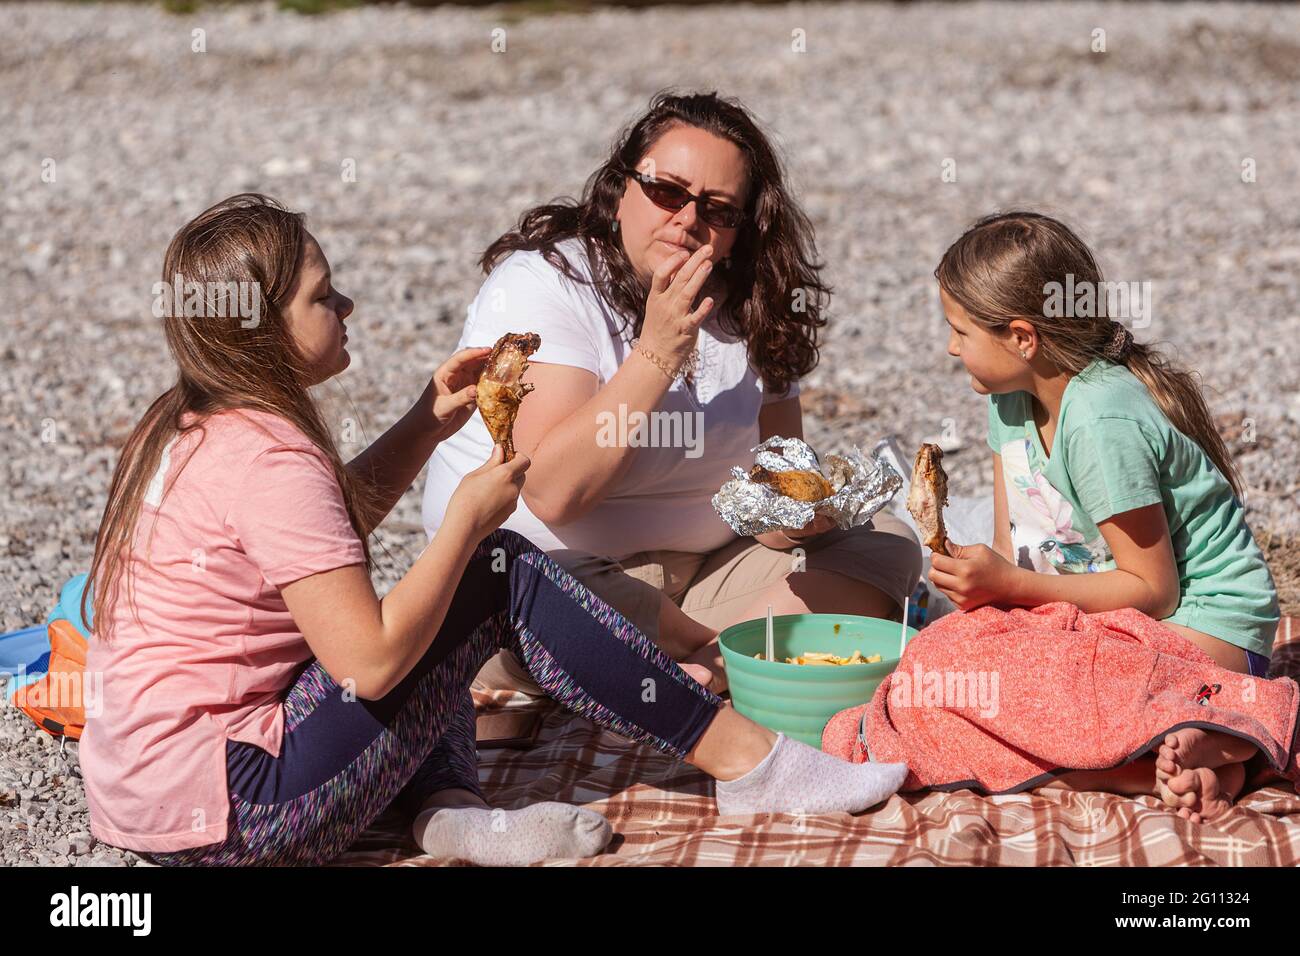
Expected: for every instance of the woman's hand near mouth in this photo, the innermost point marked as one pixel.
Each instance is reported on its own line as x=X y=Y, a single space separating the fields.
x=671 y=324
x=572 y=471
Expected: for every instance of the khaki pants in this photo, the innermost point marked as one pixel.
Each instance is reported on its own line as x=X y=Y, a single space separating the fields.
x=714 y=588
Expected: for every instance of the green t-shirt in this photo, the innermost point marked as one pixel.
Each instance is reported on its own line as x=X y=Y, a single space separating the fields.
x=1114 y=450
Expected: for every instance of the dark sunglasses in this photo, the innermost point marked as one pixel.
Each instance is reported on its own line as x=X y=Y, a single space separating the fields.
x=672 y=197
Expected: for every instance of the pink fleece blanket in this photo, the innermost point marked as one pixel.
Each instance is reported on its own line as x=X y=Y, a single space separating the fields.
x=1000 y=701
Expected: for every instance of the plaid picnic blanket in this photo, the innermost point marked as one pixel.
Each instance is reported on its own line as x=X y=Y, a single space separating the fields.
x=663 y=814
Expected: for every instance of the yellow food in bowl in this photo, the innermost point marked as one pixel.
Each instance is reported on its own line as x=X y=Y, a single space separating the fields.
x=823 y=660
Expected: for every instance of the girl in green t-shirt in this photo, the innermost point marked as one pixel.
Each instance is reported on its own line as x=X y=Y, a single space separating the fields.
x=1112 y=488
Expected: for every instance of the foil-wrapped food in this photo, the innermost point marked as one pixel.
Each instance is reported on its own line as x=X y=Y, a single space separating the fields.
x=788 y=486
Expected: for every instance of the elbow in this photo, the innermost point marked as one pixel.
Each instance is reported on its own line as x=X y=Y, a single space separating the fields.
x=368 y=683
x=376 y=688
x=556 y=508
x=1165 y=603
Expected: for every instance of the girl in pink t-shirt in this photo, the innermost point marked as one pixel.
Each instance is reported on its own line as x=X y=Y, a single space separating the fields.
x=261 y=703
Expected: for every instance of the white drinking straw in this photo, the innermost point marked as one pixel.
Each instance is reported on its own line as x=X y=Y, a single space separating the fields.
x=771 y=642
x=902 y=637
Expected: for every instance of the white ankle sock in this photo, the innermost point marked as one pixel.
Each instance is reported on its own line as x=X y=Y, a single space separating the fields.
x=796 y=777
x=511 y=837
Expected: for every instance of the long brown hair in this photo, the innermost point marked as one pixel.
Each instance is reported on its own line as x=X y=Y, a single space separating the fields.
x=775 y=295
x=999 y=270
x=221 y=365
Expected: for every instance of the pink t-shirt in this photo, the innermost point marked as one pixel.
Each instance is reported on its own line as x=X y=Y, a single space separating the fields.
x=215 y=649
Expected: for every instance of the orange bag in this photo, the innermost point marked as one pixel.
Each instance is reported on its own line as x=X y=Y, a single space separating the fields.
x=57 y=702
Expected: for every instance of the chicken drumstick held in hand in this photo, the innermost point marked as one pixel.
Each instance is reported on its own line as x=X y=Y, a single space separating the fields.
x=929 y=496
x=499 y=387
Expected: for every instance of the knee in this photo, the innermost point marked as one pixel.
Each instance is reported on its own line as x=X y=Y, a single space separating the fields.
x=907 y=550
x=511 y=542
x=885 y=558
x=900 y=549
x=885 y=522
x=914 y=562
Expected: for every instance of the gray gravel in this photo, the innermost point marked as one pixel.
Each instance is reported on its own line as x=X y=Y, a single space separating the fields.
x=1142 y=147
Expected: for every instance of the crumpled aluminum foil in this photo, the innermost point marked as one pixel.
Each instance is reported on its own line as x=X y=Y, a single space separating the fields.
x=862 y=487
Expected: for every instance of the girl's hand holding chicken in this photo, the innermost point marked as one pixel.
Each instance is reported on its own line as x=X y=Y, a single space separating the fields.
x=392 y=461
x=973 y=575
x=450 y=394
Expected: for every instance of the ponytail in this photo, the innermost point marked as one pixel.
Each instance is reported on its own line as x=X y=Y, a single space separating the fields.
x=1178 y=393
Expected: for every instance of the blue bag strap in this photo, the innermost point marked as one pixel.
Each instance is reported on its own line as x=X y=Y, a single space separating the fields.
x=69 y=606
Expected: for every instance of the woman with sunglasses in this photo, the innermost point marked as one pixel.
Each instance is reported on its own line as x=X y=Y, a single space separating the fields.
x=679 y=298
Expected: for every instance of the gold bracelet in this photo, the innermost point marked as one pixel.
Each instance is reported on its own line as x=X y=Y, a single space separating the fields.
x=658 y=362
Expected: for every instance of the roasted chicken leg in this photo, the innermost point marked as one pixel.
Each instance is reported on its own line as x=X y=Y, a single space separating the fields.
x=499 y=387
x=929 y=496
x=799 y=485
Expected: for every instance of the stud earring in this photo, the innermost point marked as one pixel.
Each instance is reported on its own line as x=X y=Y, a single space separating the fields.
x=1023 y=355
x=614 y=228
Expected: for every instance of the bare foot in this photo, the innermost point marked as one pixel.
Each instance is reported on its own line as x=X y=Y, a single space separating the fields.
x=1206 y=794
x=1131 y=779
x=1193 y=748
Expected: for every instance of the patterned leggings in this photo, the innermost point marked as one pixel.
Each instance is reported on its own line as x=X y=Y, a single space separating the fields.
x=344 y=761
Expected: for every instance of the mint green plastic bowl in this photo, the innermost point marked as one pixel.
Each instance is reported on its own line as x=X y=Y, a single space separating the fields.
x=798 y=700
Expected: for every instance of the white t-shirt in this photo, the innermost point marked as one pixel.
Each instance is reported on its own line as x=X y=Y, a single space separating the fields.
x=663 y=500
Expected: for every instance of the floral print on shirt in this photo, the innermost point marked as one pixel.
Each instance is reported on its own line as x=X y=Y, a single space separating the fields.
x=1043 y=535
